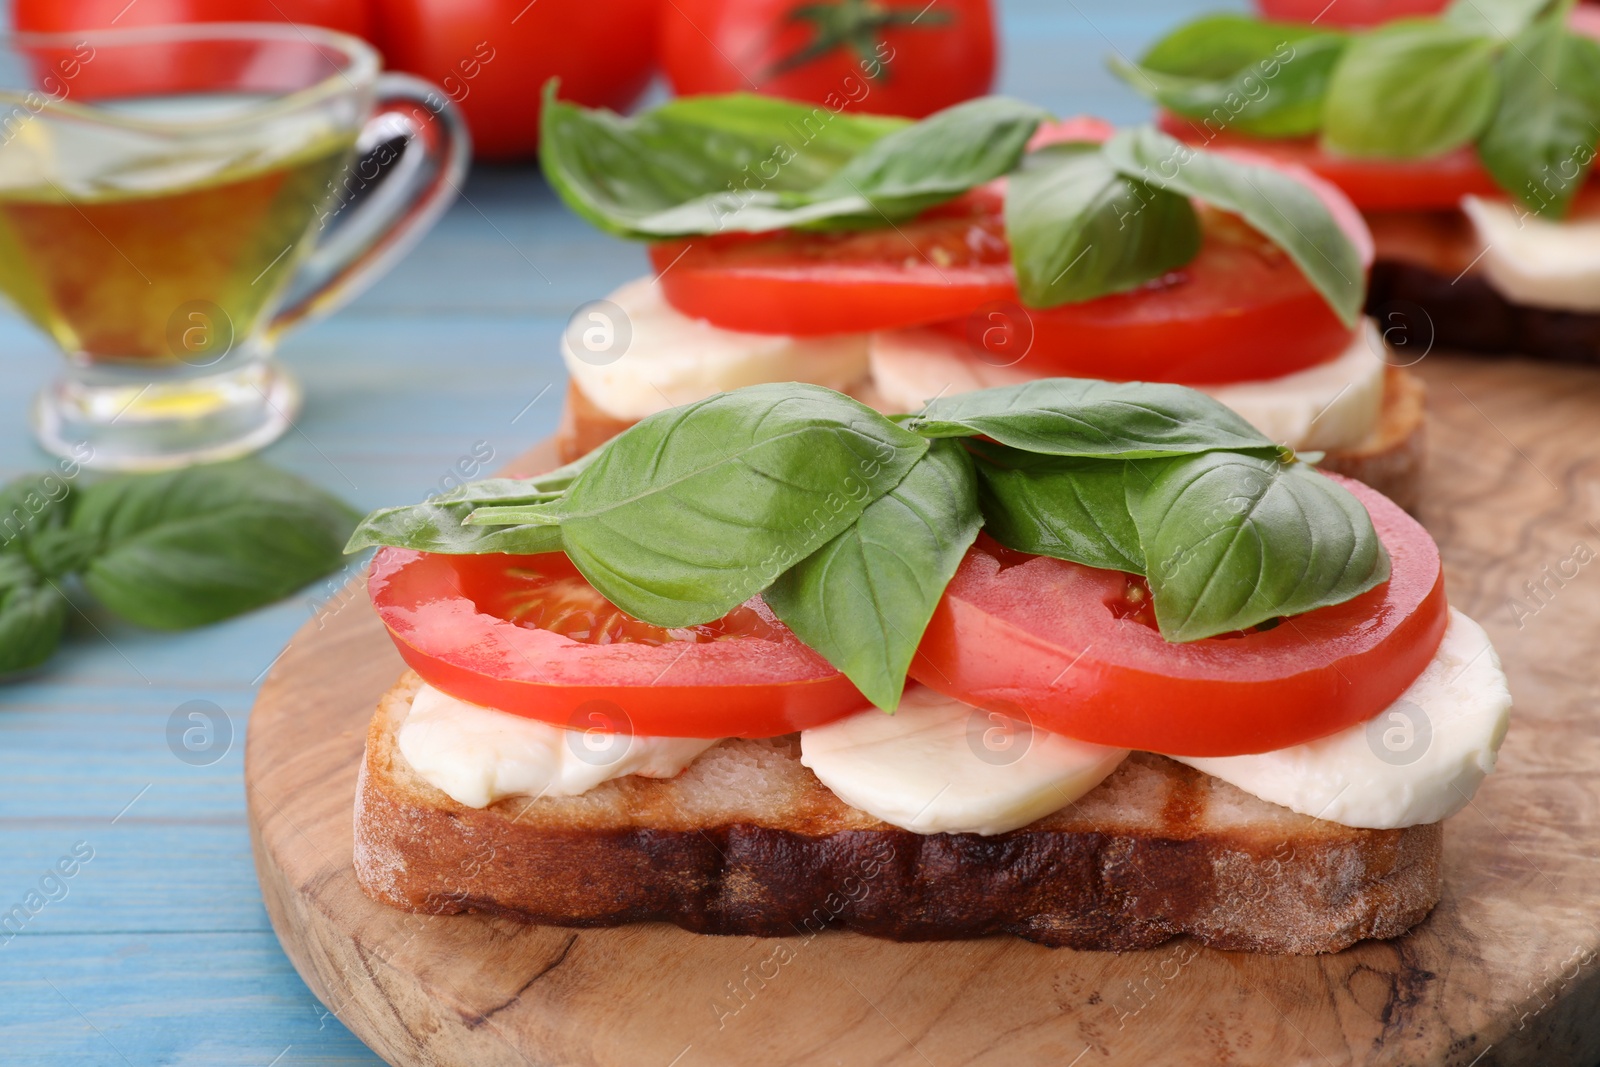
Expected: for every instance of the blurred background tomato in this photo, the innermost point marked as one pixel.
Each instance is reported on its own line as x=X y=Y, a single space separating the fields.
x=902 y=57
x=48 y=16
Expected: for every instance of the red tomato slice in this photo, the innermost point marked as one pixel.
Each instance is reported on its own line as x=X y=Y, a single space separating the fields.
x=1432 y=184
x=1069 y=649
x=528 y=635
x=947 y=263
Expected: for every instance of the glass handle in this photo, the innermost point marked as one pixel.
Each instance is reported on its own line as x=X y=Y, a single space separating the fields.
x=410 y=160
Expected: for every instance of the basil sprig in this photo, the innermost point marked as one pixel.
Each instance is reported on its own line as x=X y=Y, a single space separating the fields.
x=168 y=551
x=747 y=163
x=1507 y=76
x=851 y=523
x=1086 y=220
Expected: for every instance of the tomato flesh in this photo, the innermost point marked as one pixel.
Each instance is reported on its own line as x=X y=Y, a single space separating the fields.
x=527 y=635
x=1069 y=649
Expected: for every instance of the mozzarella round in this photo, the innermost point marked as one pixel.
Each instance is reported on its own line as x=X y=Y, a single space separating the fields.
x=940 y=766
x=1418 y=761
x=477 y=755
x=1332 y=405
x=1535 y=261
x=671 y=359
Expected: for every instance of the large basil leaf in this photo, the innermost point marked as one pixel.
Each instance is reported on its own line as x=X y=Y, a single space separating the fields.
x=1086 y=417
x=1058 y=506
x=940 y=157
x=1498 y=19
x=1267 y=79
x=694 y=510
x=1079 y=229
x=1410 y=90
x=33 y=615
x=1540 y=144
x=1231 y=541
x=199 y=545
x=715 y=164
x=864 y=599
x=1291 y=215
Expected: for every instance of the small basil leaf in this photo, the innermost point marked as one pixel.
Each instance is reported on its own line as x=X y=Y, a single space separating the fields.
x=1213 y=47
x=437 y=524
x=1086 y=417
x=1232 y=541
x=1057 y=506
x=33 y=616
x=938 y=158
x=195 y=546
x=864 y=599
x=1290 y=214
x=1278 y=93
x=31 y=504
x=1497 y=19
x=694 y=510
x=1410 y=90
x=701 y=164
x=1540 y=144
x=1079 y=229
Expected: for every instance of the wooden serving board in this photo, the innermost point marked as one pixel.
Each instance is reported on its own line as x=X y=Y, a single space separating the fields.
x=1503 y=972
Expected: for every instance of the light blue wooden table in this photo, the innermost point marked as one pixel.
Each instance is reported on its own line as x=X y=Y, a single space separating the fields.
x=160 y=951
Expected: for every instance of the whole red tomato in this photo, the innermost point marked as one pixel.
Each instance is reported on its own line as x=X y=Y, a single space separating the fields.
x=897 y=57
x=492 y=57
x=52 y=16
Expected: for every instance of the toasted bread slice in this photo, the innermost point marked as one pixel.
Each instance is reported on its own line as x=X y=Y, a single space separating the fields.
x=747 y=841
x=1389 y=460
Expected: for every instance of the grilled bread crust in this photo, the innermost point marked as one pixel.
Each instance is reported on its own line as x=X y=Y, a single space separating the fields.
x=747 y=841
x=1390 y=459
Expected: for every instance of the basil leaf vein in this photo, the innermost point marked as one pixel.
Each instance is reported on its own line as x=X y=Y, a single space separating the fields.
x=864 y=599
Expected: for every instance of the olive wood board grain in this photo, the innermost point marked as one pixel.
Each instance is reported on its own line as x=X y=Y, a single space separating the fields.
x=1503 y=972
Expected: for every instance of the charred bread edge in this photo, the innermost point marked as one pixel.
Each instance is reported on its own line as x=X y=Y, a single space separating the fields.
x=1081 y=889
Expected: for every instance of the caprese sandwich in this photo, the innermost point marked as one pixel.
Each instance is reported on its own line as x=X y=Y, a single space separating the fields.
x=982 y=246
x=1467 y=139
x=1095 y=664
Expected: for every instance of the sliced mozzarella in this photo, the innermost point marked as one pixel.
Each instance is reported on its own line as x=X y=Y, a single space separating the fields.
x=1536 y=261
x=940 y=766
x=1418 y=761
x=672 y=359
x=477 y=755
x=1331 y=405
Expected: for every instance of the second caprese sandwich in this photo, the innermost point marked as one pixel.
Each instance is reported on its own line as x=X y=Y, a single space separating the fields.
x=1467 y=139
x=983 y=246
x=1095 y=664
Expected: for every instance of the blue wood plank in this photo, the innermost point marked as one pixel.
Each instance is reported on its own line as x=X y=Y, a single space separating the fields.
x=157 y=950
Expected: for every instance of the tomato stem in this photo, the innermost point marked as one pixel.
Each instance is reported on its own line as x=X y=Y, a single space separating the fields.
x=856 y=24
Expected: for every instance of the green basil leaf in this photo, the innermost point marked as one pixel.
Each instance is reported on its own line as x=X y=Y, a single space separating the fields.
x=1213 y=47
x=941 y=157
x=1410 y=90
x=1278 y=93
x=438 y=523
x=864 y=599
x=1497 y=19
x=695 y=510
x=30 y=504
x=196 y=546
x=1540 y=144
x=1086 y=417
x=33 y=616
x=1291 y=215
x=1059 y=506
x=1232 y=541
x=701 y=164
x=1079 y=229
